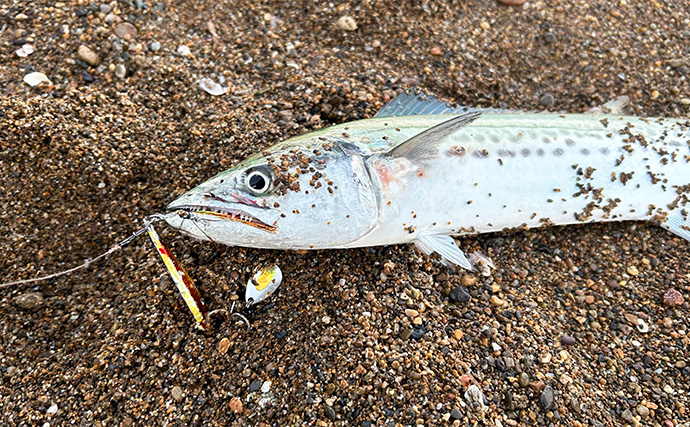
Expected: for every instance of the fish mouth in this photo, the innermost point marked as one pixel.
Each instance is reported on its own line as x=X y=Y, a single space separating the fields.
x=217 y=213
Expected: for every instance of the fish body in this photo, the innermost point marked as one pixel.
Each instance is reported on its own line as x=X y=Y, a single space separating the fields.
x=420 y=172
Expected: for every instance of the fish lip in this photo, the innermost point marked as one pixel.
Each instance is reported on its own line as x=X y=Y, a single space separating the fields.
x=207 y=212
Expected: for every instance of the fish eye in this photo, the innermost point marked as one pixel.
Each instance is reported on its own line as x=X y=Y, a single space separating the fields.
x=258 y=181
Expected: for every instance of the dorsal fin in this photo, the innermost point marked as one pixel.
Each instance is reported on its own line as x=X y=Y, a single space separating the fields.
x=424 y=146
x=417 y=103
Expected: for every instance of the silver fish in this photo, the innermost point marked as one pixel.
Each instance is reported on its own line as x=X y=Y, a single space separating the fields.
x=421 y=172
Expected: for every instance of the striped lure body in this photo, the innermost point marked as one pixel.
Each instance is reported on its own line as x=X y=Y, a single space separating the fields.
x=421 y=172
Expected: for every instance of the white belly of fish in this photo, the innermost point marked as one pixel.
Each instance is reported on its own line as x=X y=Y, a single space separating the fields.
x=523 y=171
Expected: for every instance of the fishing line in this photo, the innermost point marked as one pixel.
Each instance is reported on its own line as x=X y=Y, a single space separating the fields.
x=148 y=221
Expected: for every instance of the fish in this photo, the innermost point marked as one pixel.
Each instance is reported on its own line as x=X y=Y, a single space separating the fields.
x=423 y=172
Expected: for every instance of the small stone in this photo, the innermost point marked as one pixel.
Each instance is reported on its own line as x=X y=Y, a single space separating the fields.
x=411 y=313
x=567 y=340
x=120 y=71
x=111 y=18
x=537 y=386
x=414 y=375
x=52 y=410
x=346 y=23
x=458 y=334
x=211 y=87
x=418 y=332
x=105 y=8
x=30 y=301
x=484 y=25
x=643 y=411
x=329 y=412
x=673 y=298
x=496 y=301
x=654 y=94
x=87 y=55
x=455 y=414
x=676 y=62
x=436 y=51
x=235 y=405
x=86 y=77
x=632 y=270
x=549 y=37
x=266 y=386
x=183 y=50
x=627 y=416
x=405 y=334
x=125 y=30
x=223 y=346
x=680 y=364
x=547 y=100
x=255 y=386
x=177 y=394
x=460 y=294
x=512 y=2
x=684 y=101
x=547 y=397
x=154 y=46
x=523 y=379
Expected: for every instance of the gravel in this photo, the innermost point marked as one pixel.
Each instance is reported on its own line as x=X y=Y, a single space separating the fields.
x=83 y=162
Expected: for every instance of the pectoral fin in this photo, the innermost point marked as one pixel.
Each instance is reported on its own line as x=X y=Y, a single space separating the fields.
x=424 y=146
x=678 y=224
x=444 y=246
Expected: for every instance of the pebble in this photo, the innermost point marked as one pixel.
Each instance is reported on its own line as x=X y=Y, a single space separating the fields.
x=643 y=411
x=154 y=46
x=436 y=51
x=330 y=412
x=86 y=76
x=567 y=340
x=496 y=301
x=120 y=71
x=30 y=301
x=673 y=298
x=549 y=37
x=411 y=313
x=223 y=345
x=455 y=414
x=484 y=25
x=255 y=386
x=346 y=23
x=627 y=416
x=460 y=294
x=266 y=386
x=512 y=2
x=87 y=55
x=177 y=394
x=111 y=18
x=52 y=410
x=405 y=334
x=125 y=30
x=547 y=397
x=235 y=405
x=547 y=100
x=537 y=386
x=105 y=8
x=632 y=270
x=183 y=50
x=523 y=379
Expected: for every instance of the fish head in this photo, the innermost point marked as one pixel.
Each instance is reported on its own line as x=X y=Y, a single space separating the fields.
x=301 y=195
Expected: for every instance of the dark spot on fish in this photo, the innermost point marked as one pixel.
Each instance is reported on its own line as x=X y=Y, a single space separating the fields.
x=469 y=202
x=420 y=173
x=540 y=152
x=546 y=140
x=604 y=150
x=276 y=204
x=584 y=151
x=558 y=152
x=525 y=152
x=569 y=142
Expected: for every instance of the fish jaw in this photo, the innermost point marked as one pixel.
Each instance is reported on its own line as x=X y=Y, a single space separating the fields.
x=222 y=219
